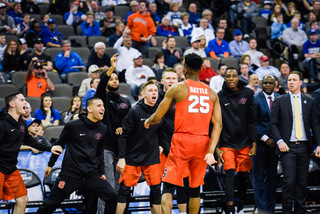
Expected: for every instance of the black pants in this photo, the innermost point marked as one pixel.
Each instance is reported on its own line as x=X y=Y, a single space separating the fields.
x=295 y=165
x=142 y=47
x=64 y=186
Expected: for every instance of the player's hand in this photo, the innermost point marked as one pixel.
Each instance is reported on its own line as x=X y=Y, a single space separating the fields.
x=113 y=60
x=121 y=165
x=160 y=150
x=57 y=150
x=283 y=147
x=146 y=123
x=119 y=131
x=253 y=150
x=317 y=153
x=270 y=142
x=210 y=159
x=47 y=171
x=35 y=151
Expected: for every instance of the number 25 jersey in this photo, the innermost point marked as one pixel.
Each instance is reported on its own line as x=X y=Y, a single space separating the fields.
x=193 y=114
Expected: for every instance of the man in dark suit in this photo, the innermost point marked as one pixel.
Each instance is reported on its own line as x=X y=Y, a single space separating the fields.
x=265 y=162
x=292 y=117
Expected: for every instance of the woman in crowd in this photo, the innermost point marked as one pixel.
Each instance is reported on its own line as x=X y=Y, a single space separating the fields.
x=74 y=110
x=159 y=66
x=46 y=113
x=12 y=60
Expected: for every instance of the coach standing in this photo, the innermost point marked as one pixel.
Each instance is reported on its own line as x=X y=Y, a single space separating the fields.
x=292 y=117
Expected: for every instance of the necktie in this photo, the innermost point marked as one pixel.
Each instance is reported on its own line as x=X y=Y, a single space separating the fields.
x=297 y=118
x=270 y=102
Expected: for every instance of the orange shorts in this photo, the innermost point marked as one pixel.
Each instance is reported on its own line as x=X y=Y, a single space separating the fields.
x=187 y=151
x=163 y=160
x=237 y=159
x=12 y=186
x=131 y=175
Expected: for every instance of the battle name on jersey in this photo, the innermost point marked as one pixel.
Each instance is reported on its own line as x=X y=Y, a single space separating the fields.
x=198 y=90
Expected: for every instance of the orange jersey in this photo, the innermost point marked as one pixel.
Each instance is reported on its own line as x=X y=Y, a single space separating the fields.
x=193 y=115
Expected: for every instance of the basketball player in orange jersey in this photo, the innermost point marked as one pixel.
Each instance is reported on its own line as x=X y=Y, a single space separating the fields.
x=196 y=106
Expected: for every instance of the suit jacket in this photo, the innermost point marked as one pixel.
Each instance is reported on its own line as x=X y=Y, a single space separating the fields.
x=263 y=115
x=282 y=120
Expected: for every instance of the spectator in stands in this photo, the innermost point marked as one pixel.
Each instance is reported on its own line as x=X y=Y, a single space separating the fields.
x=171 y=55
x=273 y=16
x=12 y=60
x=247 y=9
x=311 y=51
x=266 y=11
x=114 y=37
x=15 y=13
x=278 y=27
x=195 y=48
x=294 y=35
x=316 y=9
x=216 y=82
x=98 y=15
x=159 y=67
x=24 y=52
x=141 y=29
x=244 y=73
x=126 y=52
x=46 y=113
x=203 y=43
x=90 y=92
x=68 y=61
x=85 y=84
x=51 y=37
x=37 y=80
x=134 y=7
x=29 y=6
x=39 y=55
x=283 y=79
x=74 y=110
x=207 y=14
x=174 y=15
x=108 y=25
x=165 y=29
x=312 y=17
x=253 y=53
x=297 y=15
x=179 y=69
x=130 y=165
x=90 y=27
x=266 y=69
x=33 y=33
x=228 y=32
x=3 y=45
x=137 y=74
x=246 y=59
x=74 y=16
x=206 y=71
x=99 y=57
x=237 y=143
x=254 y=83
x=195 y=17
x=113 y=3
x=314 y=25
x=7 y=24
x=154 y=13
x=290 y=12
x=162 y=7
x=203 y=30
x=186 y=28
x=23 y=26
x=238 y=46
x=218 y=48
x=27 y=115
x=44 y=22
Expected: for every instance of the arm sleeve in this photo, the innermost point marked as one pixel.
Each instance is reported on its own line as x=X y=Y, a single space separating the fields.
x=274 y=122
x=100 y=155
x=118 y=43
x=101 y=89
x=30 y=141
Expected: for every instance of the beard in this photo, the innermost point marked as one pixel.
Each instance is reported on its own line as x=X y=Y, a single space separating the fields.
x=112 y=89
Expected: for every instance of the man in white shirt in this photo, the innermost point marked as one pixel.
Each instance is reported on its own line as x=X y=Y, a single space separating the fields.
x=253 y=53
x=137 y=74
x=195 y=43
x=203 y=30
x=125 y=51
x=216 y=82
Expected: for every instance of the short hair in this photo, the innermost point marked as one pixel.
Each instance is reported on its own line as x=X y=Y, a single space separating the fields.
x=219 y=28
x=92 y=80
x=244 y=63
x=144 y=86
x=183 y=15
x=164 y=18
x=193 y=61
x=299 y=74
x=220 y=65
x=97 y=45
x=268 y=75
x=132 y=2
x=158 y=55
x=296 y=12
x=25 y=14
x=118 y=23
x=278 y=14
x=173 y=5
x=90 y=101
x=90 y=13
x=312 y=22
x=252 y=38
x=221 y=20
x=66 y=41
x=206 y=11
x=170 y=37
x=11 y=97
x=232 y=68
x=169 y=70
x=152 y=78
